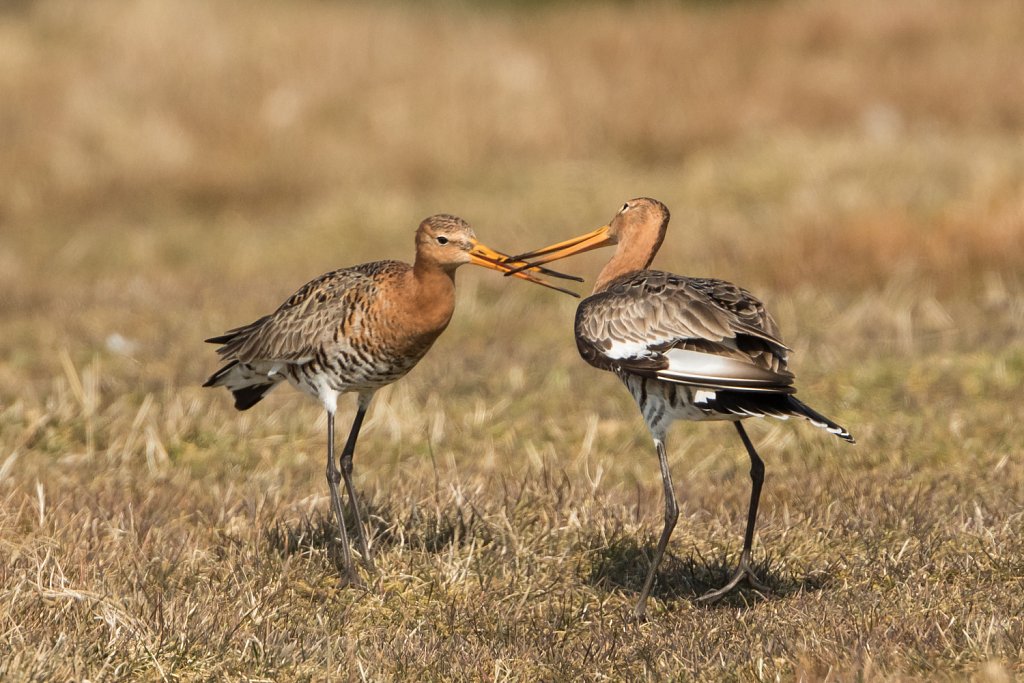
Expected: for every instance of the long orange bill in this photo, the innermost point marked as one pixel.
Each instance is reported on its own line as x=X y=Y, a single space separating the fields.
x=577 y=245
x=482 y=255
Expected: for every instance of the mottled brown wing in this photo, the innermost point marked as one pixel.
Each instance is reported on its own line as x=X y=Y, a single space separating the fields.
x=307 y=320
x=747 y=313
x=681 y=329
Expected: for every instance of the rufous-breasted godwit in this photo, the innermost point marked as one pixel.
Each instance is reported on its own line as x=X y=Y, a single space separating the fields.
x=686 y=348
x=355 y=330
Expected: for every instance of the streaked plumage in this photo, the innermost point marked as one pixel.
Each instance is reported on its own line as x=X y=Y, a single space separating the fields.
x=686 y=348
x=339 y=332
x=355 y=330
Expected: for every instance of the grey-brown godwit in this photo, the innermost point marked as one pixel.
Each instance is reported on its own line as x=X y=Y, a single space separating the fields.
x=686 y=348
x=355 y=330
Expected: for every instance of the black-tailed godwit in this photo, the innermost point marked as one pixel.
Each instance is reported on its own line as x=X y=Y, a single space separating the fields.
x=686 y=348
x=355 y=330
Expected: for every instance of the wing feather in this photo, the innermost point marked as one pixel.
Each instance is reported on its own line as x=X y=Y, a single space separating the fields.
x=689 y=330
x=322 y=310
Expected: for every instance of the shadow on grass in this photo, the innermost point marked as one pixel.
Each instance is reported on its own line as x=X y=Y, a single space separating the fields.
x=623 y=564
x=431 y=530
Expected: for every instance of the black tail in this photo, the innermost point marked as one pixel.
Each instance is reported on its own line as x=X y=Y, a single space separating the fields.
x=819 y=420
x=247 y=397
x=773 y=405
x=247 y=386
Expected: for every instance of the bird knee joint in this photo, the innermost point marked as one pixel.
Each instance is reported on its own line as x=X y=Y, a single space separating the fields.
x=671 y=514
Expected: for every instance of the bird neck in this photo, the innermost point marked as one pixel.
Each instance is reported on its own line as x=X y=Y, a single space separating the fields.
x=630 y=256
x=432 y=299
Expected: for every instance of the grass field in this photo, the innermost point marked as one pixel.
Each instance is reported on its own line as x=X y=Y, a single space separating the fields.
x=172 y=169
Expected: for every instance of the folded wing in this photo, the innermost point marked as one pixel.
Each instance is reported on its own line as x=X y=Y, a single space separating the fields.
x=329 y=306
x=695 y=331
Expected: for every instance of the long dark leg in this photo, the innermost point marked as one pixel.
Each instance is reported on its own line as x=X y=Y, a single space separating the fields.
x=333 y=477
x=346 y=472
x=671 y=515
x=756 y=480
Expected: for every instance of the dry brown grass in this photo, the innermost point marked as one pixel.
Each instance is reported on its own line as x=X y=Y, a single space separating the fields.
x=170 y=169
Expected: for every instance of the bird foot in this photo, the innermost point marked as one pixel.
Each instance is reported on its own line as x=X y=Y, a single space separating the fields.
x=351 y=579
x=744 y=571
x=371 y=568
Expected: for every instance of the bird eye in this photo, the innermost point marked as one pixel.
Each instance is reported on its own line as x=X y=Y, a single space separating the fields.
x=624 y=207
x=442 y=240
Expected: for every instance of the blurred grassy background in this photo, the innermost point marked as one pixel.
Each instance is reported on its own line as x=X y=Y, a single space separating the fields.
x=171 y=169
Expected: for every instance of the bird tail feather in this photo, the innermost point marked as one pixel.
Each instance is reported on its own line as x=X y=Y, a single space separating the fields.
x=818 y=420
x=246 y=384
x=781 y=406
